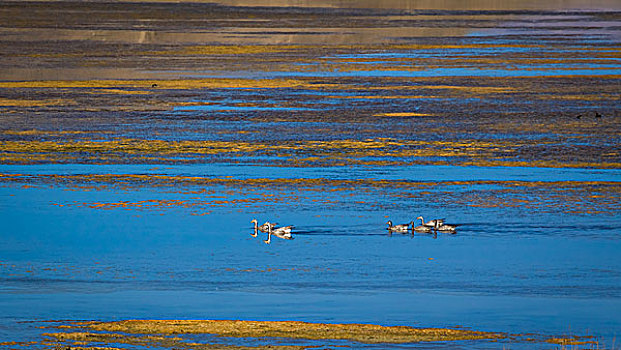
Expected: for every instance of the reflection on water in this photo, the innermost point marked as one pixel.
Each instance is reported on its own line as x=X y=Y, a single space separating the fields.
x=139 y=140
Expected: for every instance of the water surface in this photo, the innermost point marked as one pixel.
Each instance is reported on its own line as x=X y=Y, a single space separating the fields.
x=139 y=140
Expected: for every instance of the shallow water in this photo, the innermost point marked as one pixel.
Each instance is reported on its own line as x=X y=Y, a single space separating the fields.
x=121 y=199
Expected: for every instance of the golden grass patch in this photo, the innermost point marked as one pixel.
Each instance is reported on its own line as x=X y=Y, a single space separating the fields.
x=215 y=83
x=365 y=333
x=288 y=153
x=219 y=50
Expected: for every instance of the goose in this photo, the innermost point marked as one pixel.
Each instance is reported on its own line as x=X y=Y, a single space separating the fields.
x=399 y=228
x=263 y=228
x=422 y=229
x=280 y=232
x=431 y=223
x=267 y=226
x=446 y=228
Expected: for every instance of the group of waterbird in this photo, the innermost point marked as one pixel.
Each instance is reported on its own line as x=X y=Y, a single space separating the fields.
x=271 y=229
x=435 y=225
x=284 y=232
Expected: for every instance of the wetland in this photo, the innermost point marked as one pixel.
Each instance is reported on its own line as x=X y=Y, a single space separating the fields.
x=138 y=139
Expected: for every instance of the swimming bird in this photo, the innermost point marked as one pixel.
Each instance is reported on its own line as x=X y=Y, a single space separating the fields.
x=280 y=232
x=256 y=228
x=446 y=228
x=263 y=228
x=431 y=223
x=422 y=229
x=267 y=226
x=399 y=228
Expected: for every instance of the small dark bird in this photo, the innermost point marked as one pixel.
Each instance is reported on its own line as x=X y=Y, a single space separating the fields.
x=153 y=85
x=579 y=116
x=597 y=115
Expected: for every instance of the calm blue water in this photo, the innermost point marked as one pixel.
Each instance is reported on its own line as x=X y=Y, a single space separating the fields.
x=508 y=269
x=417 y=173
